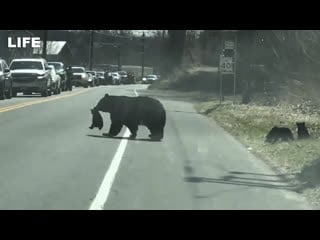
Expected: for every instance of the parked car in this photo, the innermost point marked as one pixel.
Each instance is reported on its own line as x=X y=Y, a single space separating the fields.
x=95 y=79
x=80 y=77
x=108 y=78
x=116 y=79
x=130 y=78
x=149 y=79
x=31 y=75
x=123 y=76
x=56 y=81
x=100 y=76
x=91 y=80
x=60 y=70
x=5 y=81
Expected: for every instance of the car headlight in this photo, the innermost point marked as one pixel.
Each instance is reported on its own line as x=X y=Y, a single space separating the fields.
x=40 y=76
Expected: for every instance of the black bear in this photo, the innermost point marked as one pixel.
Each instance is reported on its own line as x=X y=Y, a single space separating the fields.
x=302 y=130
x=97 y=120
x=279 y=133
x=132 y=112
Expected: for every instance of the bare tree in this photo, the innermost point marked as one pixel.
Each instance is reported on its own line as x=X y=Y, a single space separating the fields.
x=176 y=43
x=245 y=51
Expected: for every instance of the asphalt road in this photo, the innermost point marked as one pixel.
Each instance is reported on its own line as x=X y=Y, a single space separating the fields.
x=50 y=159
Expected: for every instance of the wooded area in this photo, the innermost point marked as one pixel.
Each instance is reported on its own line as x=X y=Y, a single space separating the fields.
x=265 y=57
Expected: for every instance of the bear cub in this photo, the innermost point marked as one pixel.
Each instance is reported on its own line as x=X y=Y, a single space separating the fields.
x=279 y=133
x=302 y=130
x=97 y=121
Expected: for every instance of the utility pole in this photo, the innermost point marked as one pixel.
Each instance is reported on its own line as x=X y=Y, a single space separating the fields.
x=142 y=67
x=91 y=50
x=4 y=34
x=119 y=57
x=44 y=49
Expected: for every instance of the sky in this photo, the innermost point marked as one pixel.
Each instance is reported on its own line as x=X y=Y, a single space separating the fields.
x=150 y=32
x=146 y=32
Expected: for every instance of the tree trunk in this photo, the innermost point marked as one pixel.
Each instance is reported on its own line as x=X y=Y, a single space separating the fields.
x=245 y=49
x=176 y=47
x=44 y=49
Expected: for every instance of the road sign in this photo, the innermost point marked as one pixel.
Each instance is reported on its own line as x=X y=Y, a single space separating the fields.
x=226 y=64
x=229 y=45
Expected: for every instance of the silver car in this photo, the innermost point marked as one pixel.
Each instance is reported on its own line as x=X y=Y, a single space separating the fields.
x=56 y=80
x=150 y=79
x=80 y=77
x=116 y=78
x=31 y=75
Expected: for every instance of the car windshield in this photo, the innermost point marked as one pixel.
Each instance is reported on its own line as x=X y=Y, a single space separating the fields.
x=77 y=70
x=15 y=65
x=122 y=73
x=57 y=66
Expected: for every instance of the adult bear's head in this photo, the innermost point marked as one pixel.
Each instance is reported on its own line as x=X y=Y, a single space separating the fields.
x=105 y=104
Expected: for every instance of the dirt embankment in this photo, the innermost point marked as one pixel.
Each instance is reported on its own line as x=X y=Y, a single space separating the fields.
x=192 y=79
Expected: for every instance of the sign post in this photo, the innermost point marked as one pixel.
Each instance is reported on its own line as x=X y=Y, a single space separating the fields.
x=227 y=66
x=235 y=69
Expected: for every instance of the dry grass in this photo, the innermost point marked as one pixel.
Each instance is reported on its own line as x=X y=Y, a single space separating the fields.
x=250 y=124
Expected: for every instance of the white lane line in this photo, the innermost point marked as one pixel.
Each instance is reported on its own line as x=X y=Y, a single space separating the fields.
x=105 y=187
x=104 y=190
x=135 y=92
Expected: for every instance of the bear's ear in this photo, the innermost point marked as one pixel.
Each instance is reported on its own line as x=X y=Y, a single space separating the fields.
x=107 y=95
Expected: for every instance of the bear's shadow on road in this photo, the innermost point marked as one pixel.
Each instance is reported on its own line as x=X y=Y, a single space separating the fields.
x=130 y=139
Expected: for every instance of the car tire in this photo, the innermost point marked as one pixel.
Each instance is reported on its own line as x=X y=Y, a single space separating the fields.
x=9 y=93
x=2 y=93
x=44 y=93
x=49 y=92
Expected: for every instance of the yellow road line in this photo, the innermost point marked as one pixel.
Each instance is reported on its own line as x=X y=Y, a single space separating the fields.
x=21 y=105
